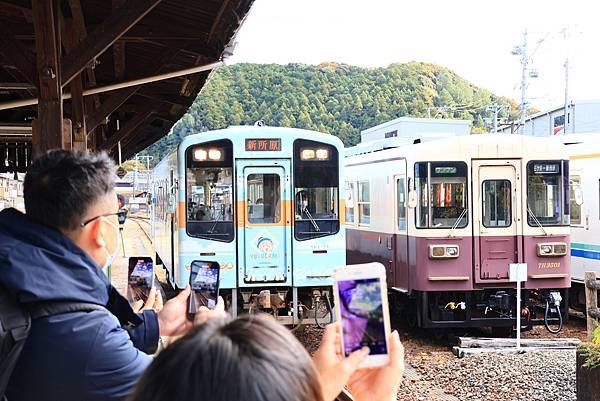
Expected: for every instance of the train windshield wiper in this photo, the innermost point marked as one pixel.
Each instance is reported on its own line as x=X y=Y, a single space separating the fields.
x=535 y=220
x=457 y=222
x=311 y=219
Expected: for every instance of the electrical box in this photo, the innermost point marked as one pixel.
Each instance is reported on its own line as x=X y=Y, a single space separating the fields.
x=517 y=272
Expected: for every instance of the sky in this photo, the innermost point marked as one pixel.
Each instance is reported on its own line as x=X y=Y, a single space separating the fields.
x=474 y=38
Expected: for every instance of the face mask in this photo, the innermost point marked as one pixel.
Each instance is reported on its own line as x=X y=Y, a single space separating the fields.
x=110 y=258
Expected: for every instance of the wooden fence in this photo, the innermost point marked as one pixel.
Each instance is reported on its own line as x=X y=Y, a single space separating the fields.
x=588 y=380
x=592 y=285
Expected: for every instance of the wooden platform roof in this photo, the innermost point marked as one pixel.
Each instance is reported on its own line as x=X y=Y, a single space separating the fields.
x=98 y=43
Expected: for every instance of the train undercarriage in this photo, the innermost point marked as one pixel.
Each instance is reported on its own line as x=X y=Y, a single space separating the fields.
x=493 y=308
x=293 y=306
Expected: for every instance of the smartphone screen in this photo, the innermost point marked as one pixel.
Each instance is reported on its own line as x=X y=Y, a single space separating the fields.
x=361 y=308
x=140 y=278
x=204 y=280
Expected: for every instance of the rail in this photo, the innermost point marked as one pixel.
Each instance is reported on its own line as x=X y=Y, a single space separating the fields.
x=592 y=285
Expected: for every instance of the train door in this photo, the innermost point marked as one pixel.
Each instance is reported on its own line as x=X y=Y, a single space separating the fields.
x=264 y=238
x=497 y=217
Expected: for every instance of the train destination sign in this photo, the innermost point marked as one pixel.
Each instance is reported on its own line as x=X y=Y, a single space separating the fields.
x=546 y=168
x=445 y=170
x=263 y=145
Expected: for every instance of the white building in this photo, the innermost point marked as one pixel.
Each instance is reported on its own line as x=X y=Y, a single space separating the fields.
x=413 y=128
x=582 y=117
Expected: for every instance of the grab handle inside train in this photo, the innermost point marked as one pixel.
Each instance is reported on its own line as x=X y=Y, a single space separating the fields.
x=412 y=200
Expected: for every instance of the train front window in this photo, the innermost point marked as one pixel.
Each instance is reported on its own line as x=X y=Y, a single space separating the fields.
x=548 y=193
x=442 y=194
x=316 y=189
x=209 y=191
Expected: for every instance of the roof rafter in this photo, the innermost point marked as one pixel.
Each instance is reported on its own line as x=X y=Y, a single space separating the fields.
x=103 y=36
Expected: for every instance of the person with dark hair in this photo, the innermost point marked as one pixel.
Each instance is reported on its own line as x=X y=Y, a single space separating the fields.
x=55 y=252
x=254 y=358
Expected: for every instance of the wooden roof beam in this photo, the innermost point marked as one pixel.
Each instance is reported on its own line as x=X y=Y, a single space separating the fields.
x=109 y=106
x=128 y=128
x=119 y=48
x=81 y=31
x=16 y=54
x=104 y=36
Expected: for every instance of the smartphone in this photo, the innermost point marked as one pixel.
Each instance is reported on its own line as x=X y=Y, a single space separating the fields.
x=140 y=278
x=360 y=293
x=204 y=280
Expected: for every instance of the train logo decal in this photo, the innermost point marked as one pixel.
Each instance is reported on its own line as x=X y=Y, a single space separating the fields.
x=264 y=247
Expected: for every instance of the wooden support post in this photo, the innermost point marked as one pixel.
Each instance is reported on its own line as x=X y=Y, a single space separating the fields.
x=78 y=120
x=48 y=128
x=591 y=301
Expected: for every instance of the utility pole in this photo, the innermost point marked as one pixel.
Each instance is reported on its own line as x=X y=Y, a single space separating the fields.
x=524 y=62
x=566 y=95
x=565 y=33
x=495 y=108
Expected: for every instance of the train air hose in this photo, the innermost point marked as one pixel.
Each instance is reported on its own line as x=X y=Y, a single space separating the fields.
x=560 y=319
x=329 y=311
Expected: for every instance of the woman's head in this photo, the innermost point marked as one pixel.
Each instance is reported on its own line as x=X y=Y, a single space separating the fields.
x=251 y=358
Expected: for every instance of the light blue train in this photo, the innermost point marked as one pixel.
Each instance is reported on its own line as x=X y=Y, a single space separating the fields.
x=267 y=205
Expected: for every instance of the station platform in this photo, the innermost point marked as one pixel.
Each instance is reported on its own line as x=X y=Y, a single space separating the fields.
x=136 y=242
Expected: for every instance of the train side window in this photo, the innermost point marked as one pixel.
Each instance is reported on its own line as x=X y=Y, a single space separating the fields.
x=364 y=203
x=574 y=193
x=497 y=203
x=350 y=202
x=401 y=199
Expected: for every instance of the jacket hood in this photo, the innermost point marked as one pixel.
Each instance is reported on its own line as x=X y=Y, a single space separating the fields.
x=39 y=263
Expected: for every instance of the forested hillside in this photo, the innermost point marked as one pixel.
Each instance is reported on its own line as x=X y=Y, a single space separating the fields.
x=335 y=98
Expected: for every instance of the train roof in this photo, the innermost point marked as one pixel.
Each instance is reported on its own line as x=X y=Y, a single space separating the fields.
x=483 y=146
x=254 y=131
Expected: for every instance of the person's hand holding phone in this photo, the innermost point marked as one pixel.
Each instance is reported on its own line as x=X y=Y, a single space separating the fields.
x=205 y=313
x=154 y=302
x=334 y=369
x=173 y=318
x=380 y=384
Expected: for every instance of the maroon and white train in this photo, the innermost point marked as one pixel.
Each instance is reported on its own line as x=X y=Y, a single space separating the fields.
x=447 y=217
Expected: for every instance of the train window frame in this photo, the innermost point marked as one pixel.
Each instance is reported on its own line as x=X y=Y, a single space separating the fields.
x=360 y=202
x=424 y=199
x=227 y=161
x=401 y=217
x=350 y=197
x=508 y=220
x=563 y=194
x=317 y=177
x=575 y=181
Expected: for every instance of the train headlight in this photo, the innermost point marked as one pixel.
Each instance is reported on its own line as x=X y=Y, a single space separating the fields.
x=452 y=251
x=322 y=154
x=215 y=154
x=200 y=154
x=443 y=251
x=307 y=154
x=552 y=249
x=560 y=249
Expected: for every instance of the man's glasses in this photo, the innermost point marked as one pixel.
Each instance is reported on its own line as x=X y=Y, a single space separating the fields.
x=120 y=215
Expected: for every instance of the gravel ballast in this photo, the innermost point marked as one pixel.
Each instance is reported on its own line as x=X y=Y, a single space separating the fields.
x=433 y=373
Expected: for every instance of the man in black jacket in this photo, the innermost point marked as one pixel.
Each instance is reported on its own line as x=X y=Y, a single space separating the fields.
x=56 y=252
